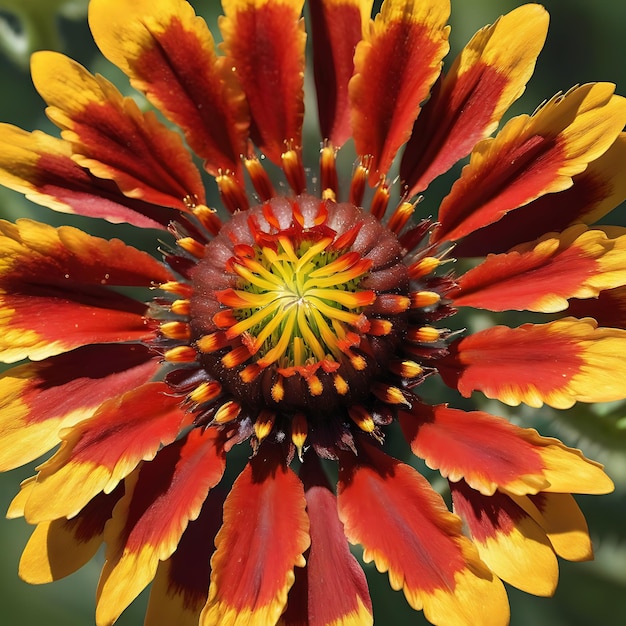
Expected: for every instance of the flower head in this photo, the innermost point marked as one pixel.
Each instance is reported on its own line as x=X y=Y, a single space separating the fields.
x=298 y=318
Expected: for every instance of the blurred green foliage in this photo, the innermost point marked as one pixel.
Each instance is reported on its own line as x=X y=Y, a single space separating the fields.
x=585 y=43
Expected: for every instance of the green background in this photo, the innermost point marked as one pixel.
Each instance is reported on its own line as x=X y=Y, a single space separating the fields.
x=586 y=42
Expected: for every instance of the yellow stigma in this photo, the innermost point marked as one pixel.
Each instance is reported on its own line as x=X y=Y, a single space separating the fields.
x=296 y=301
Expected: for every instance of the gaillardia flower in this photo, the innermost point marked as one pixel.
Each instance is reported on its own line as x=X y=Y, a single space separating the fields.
x=303 y=313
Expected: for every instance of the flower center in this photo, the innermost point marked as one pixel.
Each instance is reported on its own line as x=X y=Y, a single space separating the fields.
x=299 y=303
x=294 y=304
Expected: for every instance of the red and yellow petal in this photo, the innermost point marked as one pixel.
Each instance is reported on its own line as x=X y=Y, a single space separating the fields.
x=264 y=41
x=396 y=64
x=485 y=79
x=112 y=138
x=98 y=453
x=161 y=497
x=53 y=290
x=544 y=275
x=336 y=27
x=406 y=529
x=337 y=587
x=490 y=453
x=61 y=547
x=487 y=451
x=594 y=193
x=169 y=54
x=41 y=167
x=264 y=535
x=181 y=585
x=39 y=399
x=508 y=540
x=532 y=156
x=558 y=363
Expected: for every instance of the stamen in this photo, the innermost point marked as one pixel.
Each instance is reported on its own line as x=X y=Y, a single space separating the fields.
x=232 y=192
x=425 y=334
x=227 y=412
x=180 y=307
x=421 y=299
x=294 y=170
x=423 y=267
x=260 y=180
x=299 y=432
x=181 y=289
x=380 y=201
x=195 y=248
x=176 y=330
x=359 y=179
x=360 y=416
x=328 y=172
x=401 y=216
x=406 y=369
x=264 y=424
x=390 y=394
x=180 y=354
x=205 y=392
x=208 y=218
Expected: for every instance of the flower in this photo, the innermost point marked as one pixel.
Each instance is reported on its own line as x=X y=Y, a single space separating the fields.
x=302 y=317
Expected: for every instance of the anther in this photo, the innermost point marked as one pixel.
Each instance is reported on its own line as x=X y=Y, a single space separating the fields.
x=180 y=354
x=259 y=178
x=362 y=418
x=423 y=267
x=195 y=248
x=359 y=178
x=294 y=170
x=421 y=299
x=182 y=289
x=227 y=412
x=264 y=424
x=205 y=392
x=425 y=334
x=299 y=432
x=232 y=192
x=180 y=307
x=328 y=172
x=176 y=330
x=401 y=216
x=380 y=200
x=208 y=218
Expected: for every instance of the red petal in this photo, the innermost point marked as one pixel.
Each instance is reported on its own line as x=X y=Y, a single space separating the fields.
x=532 y=156
x=265 y=43
x=558 y=363
x=113 y=138
x=490 y=73
x=336 y=27
x=41 y=167
x=395 y=65
x=543 y=275
x=487 y=451
x=38 y=399
x=149 y=521
x=595 y=192
x=509 y=541
x=169 y=54
x=405 y=527
x=99 y=452
x=59 y=548
x=264 y=535
x=337 y=588
x=63 y=272
x=181 y=585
